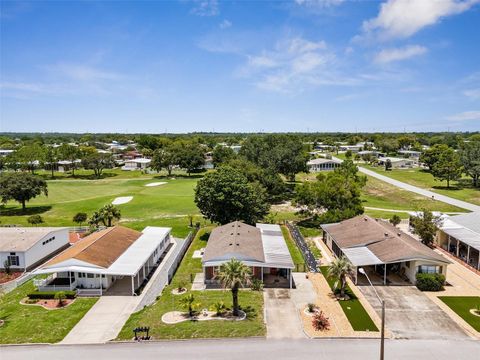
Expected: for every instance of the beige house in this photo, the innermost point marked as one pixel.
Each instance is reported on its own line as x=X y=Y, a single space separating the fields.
x=382 y=249
x=321 y=164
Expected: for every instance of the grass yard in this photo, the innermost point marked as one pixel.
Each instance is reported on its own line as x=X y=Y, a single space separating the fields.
x=462 y=306
x=168 y=204
x=353 y=308
x=461 y=190
x=250 y=301
x=295 y=252
x=34 y=324
x=381 y=195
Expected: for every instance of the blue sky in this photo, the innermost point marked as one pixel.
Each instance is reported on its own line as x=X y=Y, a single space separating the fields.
x=182 y=66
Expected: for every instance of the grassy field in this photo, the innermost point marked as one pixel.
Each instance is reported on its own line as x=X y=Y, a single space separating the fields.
x=34 y=324
x=353 y=308
x=164 y=205
x=461 y=190
x=462 y=306
x=250 y=301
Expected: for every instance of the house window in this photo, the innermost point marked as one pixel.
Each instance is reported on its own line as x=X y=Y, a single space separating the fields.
x=407 y=264
x=90 y=276
x=429 y=269
x=13 y=260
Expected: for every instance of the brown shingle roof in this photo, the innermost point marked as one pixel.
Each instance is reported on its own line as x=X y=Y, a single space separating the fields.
x=235 y=240
x=385 y=241
x=101 y=248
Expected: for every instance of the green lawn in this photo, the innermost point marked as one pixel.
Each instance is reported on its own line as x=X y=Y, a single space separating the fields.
x=295 y=252
x=167 y=204
x=34 y=324
x=379 y=194
x=250 y=301
x=353 y=308
x=462 y=306
x=461 y=190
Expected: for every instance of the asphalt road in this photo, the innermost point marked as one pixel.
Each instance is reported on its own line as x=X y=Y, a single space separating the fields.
x=367 y=349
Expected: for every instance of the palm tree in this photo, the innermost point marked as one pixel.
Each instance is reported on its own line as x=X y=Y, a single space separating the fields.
x=188 y=302
x=339 y=269
x=108 y=213
x=234 y=274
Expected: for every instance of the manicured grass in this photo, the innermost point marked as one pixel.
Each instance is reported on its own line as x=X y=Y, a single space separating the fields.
x=149 y=206
x=380 y=194
x=310 y=231
x=353 y=308
x=34 y=324
x=295 y=252
x=462 y=306
x=378 y=214
x=250 y=301
x=461 y=190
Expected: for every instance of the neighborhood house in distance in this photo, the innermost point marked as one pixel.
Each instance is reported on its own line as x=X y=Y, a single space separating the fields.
x=262 y=248
x=115 y=260
x=386 y=253
x=24 y=248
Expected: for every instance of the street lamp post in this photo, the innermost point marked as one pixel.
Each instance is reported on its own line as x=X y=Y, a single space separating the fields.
x=382 y=301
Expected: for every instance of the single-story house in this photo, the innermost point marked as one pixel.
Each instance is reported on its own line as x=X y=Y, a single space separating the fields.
x=136 y=164
x=352 y=148
x=116 y=258
x=397 y=163
x=24 y=248
x=372 y=153
x=380 y=247
x=410 y=154
x=6 y=152
x=261 y=247
x=460 y=236
x=321 y=164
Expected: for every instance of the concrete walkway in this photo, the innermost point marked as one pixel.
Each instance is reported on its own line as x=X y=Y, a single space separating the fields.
x=420 y=191
x=103 y=322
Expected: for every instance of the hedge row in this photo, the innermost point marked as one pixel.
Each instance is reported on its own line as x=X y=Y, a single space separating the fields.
x=50 y=294
x=430 y=282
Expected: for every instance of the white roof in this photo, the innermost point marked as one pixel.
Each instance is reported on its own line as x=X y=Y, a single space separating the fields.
x=140 y=160
x=137 y=254
x=275 y=248
x=319 y=161
x=392 y=159
x=465 y=228
x=23 y=238
x=361 y=256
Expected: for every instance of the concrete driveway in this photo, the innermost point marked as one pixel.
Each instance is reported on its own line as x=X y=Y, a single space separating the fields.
x=103 y=321
x=410 y=314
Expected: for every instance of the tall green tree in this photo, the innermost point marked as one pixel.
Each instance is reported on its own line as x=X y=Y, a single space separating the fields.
x=30 y=156
x=164 y=158
x=234 y=275
x=51 y=159
x=430 y=156
x=21 y=187
x=470 y=159
x=425 y=225
x=189 y=156
x=448 y=166
x=108 y=213
x=222 y=154
x=225 y=195
x=98 y=162
x=70 y=153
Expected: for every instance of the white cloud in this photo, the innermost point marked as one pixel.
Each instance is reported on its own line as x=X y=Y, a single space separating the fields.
x=397 y=54
x=22 y=86
x=403 y=18
x=82 y=72
x=465 y=116
x=225 y=24
x=473 y=94
x=205 y=8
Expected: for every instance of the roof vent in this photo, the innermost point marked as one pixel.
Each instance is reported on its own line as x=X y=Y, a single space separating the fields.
x=230 y=244
x=399 y=234
x=386 y=234
x=366 y=219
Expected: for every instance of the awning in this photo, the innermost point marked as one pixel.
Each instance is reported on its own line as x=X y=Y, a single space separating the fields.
x=361 y=256
x=466 y=236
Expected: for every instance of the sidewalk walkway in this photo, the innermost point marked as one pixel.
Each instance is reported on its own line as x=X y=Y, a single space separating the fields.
x=420 y=191
x=103 y=322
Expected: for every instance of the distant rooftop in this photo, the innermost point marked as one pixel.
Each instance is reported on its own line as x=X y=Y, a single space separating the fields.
x=23 y=238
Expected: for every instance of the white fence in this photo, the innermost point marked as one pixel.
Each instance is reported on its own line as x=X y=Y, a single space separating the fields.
x=11 y=285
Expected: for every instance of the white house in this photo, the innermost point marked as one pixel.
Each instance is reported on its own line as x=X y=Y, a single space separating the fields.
x=136 y=164
x=4 y=152
x=27 y=247
x=410 y=154
x=116 y=259
x=397 y=163
x=321 y=164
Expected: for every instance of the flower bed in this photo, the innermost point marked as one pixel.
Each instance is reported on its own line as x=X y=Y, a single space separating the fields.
x=4 y=278
x=48 y=304
x=175 y=317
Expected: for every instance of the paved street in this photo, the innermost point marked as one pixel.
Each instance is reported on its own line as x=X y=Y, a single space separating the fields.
x=417 y=190
x=366 y=349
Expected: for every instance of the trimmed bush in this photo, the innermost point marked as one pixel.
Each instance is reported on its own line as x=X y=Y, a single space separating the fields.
x=430 y=282
x=51 y=294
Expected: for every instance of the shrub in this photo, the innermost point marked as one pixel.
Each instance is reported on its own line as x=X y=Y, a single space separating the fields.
x=430 y=282
x=311 y=307
x=320 y=321
x=218 y=307
x=35 y=219
x=50 y=294
x=256 y=284
x=60 y=296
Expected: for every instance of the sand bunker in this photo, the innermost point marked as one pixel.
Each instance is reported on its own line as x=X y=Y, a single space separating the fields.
x=122 y=200
x=156 y=184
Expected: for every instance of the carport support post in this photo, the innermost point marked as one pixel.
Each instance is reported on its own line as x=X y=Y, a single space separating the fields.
x=133 y=286
x=382 y=339
x=290 y=278
x=385 y=275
